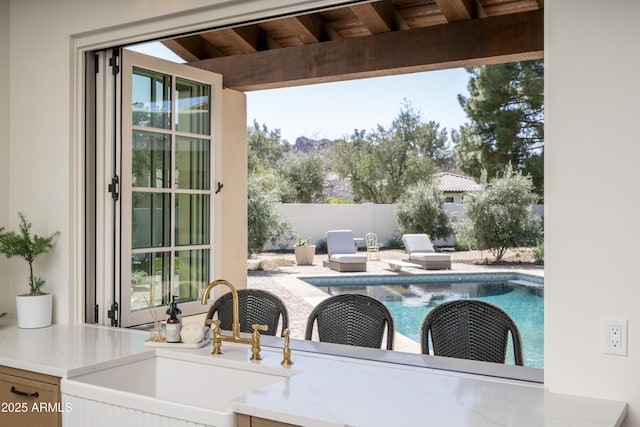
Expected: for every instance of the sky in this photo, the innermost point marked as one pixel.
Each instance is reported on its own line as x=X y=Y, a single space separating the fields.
x=334 y=110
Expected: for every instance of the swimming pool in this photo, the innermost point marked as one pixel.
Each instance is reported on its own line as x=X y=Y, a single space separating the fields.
x=410 y=298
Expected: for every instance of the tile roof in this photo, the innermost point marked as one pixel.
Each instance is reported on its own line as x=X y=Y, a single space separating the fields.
x=452 y=183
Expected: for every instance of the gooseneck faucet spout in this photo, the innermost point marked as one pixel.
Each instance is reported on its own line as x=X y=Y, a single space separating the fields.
x=235 y=327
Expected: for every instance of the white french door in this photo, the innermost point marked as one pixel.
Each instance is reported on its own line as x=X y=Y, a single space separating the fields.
x=170 y=133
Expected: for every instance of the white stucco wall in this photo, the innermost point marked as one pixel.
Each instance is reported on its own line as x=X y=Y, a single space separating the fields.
x=591 y=157
x=591 y=62
x=313 y=220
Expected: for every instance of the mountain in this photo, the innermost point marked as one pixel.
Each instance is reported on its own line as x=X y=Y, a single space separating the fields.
x=306 y=145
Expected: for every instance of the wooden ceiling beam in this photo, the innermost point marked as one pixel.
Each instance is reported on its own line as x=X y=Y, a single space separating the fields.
x=378 y=17
x=180 y=50
x=243 y=39
x=464 y=43
x=457 y=10
x=197 y=47
x=307 y=27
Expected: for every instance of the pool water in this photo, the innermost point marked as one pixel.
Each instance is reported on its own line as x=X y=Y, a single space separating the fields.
x=410 y=302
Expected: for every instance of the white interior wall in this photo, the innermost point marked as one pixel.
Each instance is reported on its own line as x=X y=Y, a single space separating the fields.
x=591 y=155
x=45 y=137
x=5 y=87
x=591 y=62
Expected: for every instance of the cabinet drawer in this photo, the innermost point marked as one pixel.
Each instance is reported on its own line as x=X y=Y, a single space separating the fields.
x=27 y=402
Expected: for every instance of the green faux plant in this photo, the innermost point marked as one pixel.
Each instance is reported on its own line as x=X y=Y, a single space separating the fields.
x=28 y=247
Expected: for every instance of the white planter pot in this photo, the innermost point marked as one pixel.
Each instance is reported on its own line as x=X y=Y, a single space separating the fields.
x=34 y=311
x=304 y=254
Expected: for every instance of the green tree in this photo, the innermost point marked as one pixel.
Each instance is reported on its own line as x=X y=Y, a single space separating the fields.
x=265 y=223
x=421 y=210
x=381 y=165
x=506 y=108
x=499 y=216
x=265 y=149
x=305 y=174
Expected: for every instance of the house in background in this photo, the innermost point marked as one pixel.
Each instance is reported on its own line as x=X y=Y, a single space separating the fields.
x=454 y=186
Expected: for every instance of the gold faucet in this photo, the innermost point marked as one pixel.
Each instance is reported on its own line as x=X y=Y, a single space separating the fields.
x=286 y=350
x=235 y=327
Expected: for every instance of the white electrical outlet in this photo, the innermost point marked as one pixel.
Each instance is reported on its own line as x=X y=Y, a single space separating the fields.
x=615 y=337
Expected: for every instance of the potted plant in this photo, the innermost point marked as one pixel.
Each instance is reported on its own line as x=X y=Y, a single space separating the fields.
x=34 y=307
x=304 y=251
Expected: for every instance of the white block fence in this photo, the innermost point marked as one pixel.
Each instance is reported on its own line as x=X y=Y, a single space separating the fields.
x=314 y=219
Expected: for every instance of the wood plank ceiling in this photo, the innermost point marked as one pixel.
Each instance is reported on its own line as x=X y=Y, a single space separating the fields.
x=366 y=39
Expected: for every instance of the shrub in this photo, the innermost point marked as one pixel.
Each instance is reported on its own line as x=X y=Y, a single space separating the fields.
x=395 y=242
x=321 y=246
x=421 y=210
x=339 y=201
x=538 y=253
x=499 y=216
x=463 y=245
x=264 y=220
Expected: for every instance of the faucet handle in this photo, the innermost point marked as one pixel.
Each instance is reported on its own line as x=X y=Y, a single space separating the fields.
x=255 y=340
x=216 y=336
x=257 y=328
x=286 y=350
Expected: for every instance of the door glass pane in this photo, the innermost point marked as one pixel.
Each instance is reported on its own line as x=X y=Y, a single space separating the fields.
x=192 y=219
x=192 y=163
x=151 y=160
x=151 y=99
x=150 y=279
x=191 y=274
x=166 y=186
x=151 y=220
x=192 y=103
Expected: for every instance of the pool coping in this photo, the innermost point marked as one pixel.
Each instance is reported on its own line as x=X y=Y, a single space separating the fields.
x=419 y=278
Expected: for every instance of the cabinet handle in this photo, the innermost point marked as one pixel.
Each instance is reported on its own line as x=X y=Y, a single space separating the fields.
x=23 y=393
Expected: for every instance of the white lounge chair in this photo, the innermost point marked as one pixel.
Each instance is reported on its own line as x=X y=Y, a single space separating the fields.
x=342 y=252
x=421 y=252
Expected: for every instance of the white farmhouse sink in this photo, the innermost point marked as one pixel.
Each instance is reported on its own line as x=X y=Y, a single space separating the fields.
x=165 y=385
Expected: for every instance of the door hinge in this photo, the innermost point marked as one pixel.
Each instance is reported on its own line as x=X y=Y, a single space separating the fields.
x=114 y=188
x=113 y=314
x=96 y=310
x=114 y=62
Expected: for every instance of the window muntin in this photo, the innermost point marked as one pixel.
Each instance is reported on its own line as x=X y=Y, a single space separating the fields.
x=170 y=158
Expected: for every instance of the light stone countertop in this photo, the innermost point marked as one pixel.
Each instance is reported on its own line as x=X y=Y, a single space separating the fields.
x=327 y=390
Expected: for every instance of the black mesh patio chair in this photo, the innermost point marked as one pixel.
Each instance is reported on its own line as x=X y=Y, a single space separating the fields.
x=470 y=329
x=254 y=306
x=352 y=319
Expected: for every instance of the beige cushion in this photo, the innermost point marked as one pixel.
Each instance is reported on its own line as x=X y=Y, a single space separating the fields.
x=417 y=243
x=340 y=242
x=430 y=256
x=348 y=258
